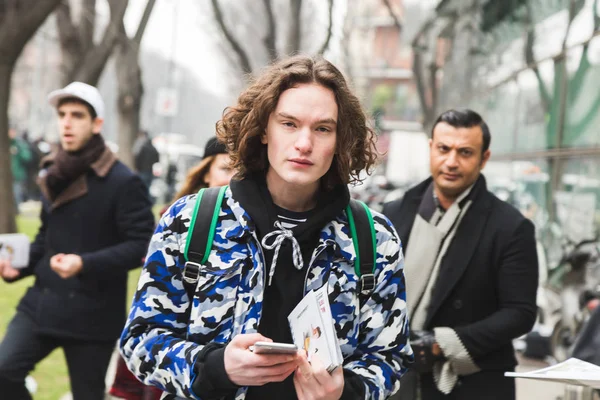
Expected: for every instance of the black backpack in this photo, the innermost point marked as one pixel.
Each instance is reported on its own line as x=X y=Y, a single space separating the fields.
x=204 y=221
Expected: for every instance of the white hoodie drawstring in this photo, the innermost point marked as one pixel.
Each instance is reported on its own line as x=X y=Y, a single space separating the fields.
x=280 y=235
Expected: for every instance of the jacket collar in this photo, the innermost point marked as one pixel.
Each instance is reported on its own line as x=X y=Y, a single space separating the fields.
x=104 y=163
x=78 y=187
x=336 y=230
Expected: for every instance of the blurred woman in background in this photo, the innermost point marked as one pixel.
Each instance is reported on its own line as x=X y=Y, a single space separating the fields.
x=213 y=170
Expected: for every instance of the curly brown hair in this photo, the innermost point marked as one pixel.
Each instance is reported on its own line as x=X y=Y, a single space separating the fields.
x=242 y=126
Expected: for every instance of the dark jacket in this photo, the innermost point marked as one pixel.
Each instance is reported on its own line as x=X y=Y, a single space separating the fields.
x=486 y=287
x=146 y=157
x=106 y=218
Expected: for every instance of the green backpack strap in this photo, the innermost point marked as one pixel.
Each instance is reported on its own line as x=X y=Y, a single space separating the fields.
x=362 y=229
x=201 y=234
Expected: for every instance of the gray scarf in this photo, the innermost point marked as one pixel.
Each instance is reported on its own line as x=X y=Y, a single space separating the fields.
x=430 y=237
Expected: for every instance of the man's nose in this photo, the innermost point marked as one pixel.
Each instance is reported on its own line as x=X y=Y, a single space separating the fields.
x=304 y=141
x=452 y=160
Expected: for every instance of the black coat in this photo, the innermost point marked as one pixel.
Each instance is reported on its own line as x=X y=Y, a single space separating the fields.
x=146 y=157
x=486 y=287
x=106 y=219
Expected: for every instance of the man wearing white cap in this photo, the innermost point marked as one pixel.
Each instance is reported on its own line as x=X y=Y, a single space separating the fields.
x=96 y=224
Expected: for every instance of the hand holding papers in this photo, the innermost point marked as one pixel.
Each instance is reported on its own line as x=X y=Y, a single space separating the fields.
x=313 y=329
x=15 y=248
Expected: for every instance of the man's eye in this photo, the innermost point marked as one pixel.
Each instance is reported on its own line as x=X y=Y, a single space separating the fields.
x=289 y=124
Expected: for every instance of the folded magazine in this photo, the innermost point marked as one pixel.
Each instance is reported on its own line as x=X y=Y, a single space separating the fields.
x=313 y=329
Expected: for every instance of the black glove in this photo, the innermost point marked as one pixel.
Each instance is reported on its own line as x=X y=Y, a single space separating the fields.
x=427 y=350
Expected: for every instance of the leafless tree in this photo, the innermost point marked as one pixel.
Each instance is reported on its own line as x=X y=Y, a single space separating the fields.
x=83 y=59
x=19 y=19
x=392 y=14
x=282 y=35
x=555 y=99
x=129 y=82
x=425 y=69
x=565 y=86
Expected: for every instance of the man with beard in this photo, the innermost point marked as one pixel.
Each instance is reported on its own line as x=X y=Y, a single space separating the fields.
x=96 y=223
x=471 y=270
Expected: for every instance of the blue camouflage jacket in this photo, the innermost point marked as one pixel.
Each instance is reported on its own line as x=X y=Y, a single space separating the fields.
x=160 y=345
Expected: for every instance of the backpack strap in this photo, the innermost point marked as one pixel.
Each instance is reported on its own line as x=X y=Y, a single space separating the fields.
x=201 y=233
x=362 y=230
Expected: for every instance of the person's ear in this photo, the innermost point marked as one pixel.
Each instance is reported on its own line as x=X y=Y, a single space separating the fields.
x=484 y=159
x=97 y=124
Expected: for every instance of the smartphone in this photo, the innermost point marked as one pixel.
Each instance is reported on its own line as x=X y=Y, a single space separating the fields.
x=273 y=348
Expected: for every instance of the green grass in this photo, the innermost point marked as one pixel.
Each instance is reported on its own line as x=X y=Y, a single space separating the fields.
x=51 y=374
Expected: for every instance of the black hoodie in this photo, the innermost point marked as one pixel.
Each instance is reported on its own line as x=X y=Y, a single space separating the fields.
x=287 y=288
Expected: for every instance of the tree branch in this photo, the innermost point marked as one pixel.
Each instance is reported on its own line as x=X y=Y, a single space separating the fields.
x=294 y=39
x=19 y=21
x=67 y=32
x=545 y=96
x=420 y=81
x=144 y=22
x=37 y=12
x=576 y=82
x=86 y=25
x=392 y=13
x=347 y=30
x=329 y=29
x=270 y=40
x=572 y=13
x=95 y=59
x=241 y=54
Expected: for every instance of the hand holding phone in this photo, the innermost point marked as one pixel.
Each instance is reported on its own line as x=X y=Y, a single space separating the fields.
x=273 y=348
x=245 y=368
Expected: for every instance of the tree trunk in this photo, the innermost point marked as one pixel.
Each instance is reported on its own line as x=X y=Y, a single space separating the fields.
x=129 y=80
x=7 y=201
x=131 y=89
x=18 y=23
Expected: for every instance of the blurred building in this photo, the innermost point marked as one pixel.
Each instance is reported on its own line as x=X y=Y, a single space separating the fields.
x=379 y=35
x=382 y=67
x=531 y=68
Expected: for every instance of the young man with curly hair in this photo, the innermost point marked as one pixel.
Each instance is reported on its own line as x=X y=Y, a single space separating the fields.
x=297 y=137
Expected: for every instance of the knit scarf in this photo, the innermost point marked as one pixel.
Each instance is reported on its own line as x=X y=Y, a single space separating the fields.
x=68 y=166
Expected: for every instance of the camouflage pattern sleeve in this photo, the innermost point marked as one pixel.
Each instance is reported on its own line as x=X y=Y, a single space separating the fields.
x=153 y=342
x=383 y=352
